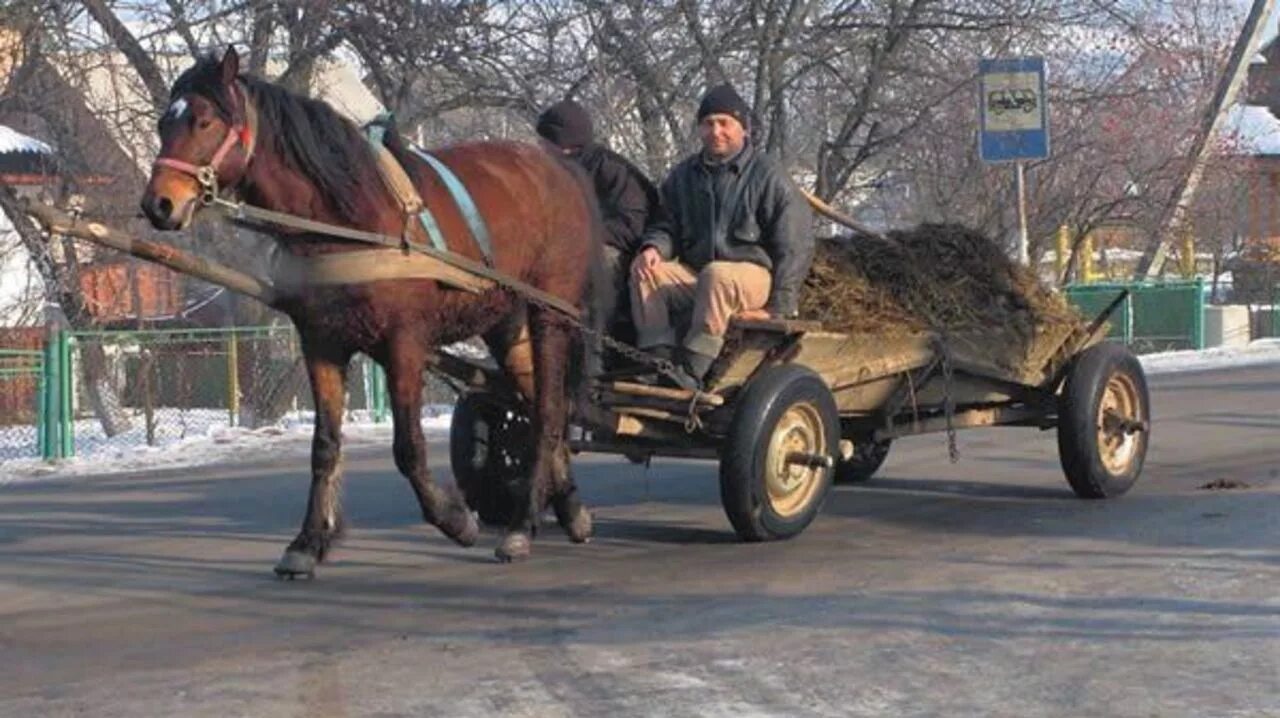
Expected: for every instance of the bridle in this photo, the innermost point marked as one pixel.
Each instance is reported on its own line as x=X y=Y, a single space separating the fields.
x=243 y=133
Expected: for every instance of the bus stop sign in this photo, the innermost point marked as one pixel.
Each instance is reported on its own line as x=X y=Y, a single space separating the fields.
x=1012 y=110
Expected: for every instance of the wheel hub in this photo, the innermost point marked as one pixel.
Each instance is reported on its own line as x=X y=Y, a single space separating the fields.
x=791 y=483
x=1119 y=424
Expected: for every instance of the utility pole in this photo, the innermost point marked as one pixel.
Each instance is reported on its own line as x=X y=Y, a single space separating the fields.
x=1237 y=70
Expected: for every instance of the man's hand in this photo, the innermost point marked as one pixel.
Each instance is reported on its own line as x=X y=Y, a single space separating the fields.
x=642 y=266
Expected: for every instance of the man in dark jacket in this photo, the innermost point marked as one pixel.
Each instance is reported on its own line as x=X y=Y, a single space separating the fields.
x=628 y=200
x=737 y=238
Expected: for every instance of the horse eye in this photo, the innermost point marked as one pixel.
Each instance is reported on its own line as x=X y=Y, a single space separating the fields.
x=204 y=124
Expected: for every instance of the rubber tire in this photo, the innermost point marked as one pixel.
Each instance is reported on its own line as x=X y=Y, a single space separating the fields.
x=868 y=457
x=1078 y=406
x=482 y=483
x=758 y=409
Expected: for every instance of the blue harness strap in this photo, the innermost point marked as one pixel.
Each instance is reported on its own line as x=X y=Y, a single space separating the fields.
x=462 y=198
x=376 y=131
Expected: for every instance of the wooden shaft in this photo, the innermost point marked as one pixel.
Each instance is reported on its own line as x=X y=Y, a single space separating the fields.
x=56 y=221
x=839 y=217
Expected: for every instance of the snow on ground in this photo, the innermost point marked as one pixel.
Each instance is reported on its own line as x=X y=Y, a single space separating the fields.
x=216 y=444
x=210 y=441
x=1260 y=352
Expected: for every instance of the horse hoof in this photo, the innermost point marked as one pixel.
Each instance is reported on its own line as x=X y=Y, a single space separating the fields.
x=581 y=528
x=465 y=535
x=515 y=546
x=295 y=564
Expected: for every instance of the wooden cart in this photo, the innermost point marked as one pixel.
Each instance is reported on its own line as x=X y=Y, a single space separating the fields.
x=789 y=408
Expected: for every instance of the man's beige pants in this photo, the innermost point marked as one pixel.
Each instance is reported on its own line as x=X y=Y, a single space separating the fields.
x=719 y=291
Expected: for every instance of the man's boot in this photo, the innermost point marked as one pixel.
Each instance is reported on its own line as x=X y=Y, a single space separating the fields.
x=696 y=364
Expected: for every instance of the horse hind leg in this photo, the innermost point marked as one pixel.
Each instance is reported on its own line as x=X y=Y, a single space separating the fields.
x=549 y=474
x=322 y=526
x=442 y=507
x=512 y=343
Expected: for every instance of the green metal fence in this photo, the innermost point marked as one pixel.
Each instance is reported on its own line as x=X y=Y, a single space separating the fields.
x=1156 y=316
x=1275 y=312
x=91 y=390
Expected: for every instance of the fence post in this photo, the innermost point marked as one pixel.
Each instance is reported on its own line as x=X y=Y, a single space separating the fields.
x=1197 y=319
x=379 y=394
x=1062 y=251
x=1084 y=259
x=49 y=401
x=233 y=378
x=65 y=412
x=1128 y=316
x=1275 y=311
x=41 y=439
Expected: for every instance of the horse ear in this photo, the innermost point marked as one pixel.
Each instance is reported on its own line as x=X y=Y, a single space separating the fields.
x=230 y=66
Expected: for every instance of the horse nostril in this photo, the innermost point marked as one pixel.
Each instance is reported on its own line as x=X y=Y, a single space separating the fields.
x=158 y=209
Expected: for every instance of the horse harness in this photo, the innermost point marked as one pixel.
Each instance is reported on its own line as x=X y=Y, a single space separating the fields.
x=416 y=260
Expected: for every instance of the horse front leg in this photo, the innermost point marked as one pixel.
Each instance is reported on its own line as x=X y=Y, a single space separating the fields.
x=322 y=525
x=550 y=475
x=442 y=507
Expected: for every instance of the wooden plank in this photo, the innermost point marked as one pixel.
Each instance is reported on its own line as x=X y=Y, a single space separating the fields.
x=866 y=397
x=662 y=392
x=611 y=400
x=777 y=326
x=644 y=412
x=634 y=448
x=625 y=425
x=989 y=416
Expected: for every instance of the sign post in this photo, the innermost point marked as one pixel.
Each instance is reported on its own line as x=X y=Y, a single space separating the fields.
x=1014 y=120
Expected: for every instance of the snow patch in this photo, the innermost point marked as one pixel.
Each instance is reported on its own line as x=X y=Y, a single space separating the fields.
x=216 y=445
x=13 y=141
x=1258 y=353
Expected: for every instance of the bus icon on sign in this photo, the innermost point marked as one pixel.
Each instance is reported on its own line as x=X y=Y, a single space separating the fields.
x=1012 y=110
x=1018 y=100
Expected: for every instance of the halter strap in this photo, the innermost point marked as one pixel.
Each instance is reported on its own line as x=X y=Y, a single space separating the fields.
x=243 y=134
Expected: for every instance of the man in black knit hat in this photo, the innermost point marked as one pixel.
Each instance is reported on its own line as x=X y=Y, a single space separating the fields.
x=628 y=200
x=736 y=239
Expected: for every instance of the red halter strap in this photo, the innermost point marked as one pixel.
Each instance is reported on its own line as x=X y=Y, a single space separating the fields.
x=207 y=175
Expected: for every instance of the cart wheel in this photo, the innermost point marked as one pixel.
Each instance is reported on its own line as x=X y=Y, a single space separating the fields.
x=867 y=458
x=776 y=464
x=1104 y=422
x=484 y=438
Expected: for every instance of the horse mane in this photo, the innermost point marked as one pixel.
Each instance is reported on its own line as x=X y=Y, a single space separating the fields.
x=307 y=134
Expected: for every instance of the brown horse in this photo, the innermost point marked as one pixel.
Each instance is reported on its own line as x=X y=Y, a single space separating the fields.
x=295 y=155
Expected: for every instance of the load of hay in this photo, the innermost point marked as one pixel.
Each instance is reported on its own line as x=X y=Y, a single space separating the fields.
x=937 y=277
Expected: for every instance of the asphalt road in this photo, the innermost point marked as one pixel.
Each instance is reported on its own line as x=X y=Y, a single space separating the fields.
x=975 y=589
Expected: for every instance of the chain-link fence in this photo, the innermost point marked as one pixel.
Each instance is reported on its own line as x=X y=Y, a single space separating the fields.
x=122 y=389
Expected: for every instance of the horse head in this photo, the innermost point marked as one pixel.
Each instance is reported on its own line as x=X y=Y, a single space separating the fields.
x=207 y=140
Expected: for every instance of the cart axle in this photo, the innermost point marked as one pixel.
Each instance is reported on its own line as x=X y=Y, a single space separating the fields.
x=810 y=461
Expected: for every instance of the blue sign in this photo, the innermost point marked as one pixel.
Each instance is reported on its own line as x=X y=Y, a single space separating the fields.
x=1012 y=110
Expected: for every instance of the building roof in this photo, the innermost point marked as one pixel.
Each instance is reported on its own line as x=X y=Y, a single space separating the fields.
x=14 y=142
x=24 y=160
x=1251 y=130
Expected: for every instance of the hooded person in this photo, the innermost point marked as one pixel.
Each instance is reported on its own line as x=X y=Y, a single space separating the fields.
x=628 y=199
